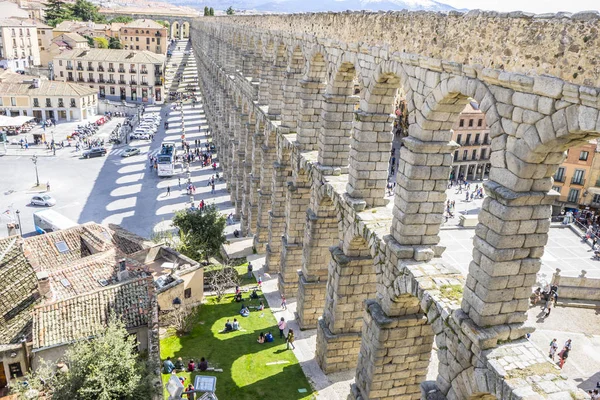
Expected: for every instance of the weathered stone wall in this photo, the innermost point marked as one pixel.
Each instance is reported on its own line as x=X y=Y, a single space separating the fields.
x=562 y=45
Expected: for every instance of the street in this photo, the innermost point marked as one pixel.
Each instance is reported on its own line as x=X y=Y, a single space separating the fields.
x=115 y=189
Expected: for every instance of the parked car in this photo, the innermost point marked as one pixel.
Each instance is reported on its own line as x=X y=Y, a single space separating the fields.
x=130 y=151
x=94 y=152
x=43 y=200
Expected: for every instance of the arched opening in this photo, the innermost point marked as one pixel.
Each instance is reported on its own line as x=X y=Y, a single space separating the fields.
x=185 y=30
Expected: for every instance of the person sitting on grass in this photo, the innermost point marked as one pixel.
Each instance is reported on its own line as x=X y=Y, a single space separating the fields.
x=203 y=364
x=269 y=337
x=191 y=366
x=245 y=312
x=236 y=325
x=168 y=366
x=254 y=295
x=179 y=364
x=261 y=338
x=238 y=297
x=228 y=326
x=260 y=307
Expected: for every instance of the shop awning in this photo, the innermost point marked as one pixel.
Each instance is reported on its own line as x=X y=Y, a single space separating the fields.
x=14 y=121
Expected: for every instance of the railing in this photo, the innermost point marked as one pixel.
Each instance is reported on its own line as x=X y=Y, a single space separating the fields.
x=111 y=70
x=144 y=83
x=70 y=80
x=91 y=80
x=79 y=68
x=132 y=71
x=157 y=83
x=90 y=68
x=133 y=83
x=48 y=104
x=101 y=80
x=101 y=68
x=61 y=104
x=111 y=81
x=36 y=104
x=69 y=68
x=73 y=105
x=575 y=181
x=80 y=80
x=143 y=71
x=559 y=178
x=122 y=70
x=122 y=82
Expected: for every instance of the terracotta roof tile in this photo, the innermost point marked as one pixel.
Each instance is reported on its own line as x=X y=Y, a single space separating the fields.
x=84 y=316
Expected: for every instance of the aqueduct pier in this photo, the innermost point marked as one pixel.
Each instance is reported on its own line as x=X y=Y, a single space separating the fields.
x=301 y=110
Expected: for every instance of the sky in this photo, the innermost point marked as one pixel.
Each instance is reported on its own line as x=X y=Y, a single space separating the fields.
x=535 y=6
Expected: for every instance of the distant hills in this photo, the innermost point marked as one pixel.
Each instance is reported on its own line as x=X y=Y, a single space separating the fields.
x=295 y=6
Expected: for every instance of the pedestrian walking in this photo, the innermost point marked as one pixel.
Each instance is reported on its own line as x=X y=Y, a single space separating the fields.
x=290 y=339
x=283 y=302
x=549 y=304
x=48 y=186
x=179 y=182
x=168 y=190
x=553 y=348
x=212 y=190
x=281 y=325
x=250 y=267
x=564 y=354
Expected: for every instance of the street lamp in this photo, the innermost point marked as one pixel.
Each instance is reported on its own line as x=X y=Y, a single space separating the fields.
x=37 y=177
x=19 y=220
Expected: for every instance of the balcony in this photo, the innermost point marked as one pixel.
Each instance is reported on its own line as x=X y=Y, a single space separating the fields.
x=70 y=79
x=144 y=83
x=122 y=70
x=112 y=81
x=111 y=70
x=73 y=105
x=101 y=80
x=144 y=71
x=48 y=104
x=90 y=68
x=132 y=71
x=36 y=104
x=61 y=104
x=91 y=80
x=579 y=181
x=69 y=68
x=100 y=68
x=122 y=82
x=79 y=68
x=559 y=178
x=157 y=83
x=132 y=82
x=80 y=80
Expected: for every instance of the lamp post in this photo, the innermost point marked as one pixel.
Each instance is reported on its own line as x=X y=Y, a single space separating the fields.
x=19 y=220
x=37 y=177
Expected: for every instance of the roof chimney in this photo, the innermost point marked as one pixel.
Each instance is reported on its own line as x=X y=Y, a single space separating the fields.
x=44 y=284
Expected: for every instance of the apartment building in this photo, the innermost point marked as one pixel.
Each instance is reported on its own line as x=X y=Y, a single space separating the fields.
x=62 y=43
x=43 y=99
x=128 y=75
x=44 y=34
x=18 y=44
x=472 y=159
x=144 y=34
x=576 y=180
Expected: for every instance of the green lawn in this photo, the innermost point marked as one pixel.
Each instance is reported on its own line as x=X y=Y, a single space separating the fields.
x=246 y=374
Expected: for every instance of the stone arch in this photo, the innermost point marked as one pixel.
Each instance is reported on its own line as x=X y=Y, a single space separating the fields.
x=185 y=28
x=291 y=102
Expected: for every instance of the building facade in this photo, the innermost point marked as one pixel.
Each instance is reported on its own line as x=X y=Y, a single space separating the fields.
x=44 y=34
x=18 y=44
x=472 y=160
x=121 y=75
x=43 y=99
x=576 y=178
x=144 y=34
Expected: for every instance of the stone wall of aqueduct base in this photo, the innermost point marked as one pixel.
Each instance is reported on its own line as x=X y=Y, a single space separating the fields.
x=306 y=158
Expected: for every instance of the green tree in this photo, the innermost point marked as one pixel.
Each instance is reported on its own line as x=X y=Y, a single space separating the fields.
x=211 y=11
x=230 y=11
x=202 y=232
x=124 y=19
x=166 y=24
x=90 y=40
x=115 y=43
x=57 y=11
x=87 y=11
x=206 y=11
x=101 y=43
x=105 y=367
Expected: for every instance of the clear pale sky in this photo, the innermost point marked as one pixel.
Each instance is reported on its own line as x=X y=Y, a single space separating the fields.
x=535 y=6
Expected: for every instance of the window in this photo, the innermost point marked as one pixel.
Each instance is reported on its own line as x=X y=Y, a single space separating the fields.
x=157 y=40
x=60 y=102
x=483 y=153
x=13 y=101
x=137 y=39
x=470 y=123
x=485 y=138
x=465 y=154
x=474 y=155
x=60 y=62
x=147 y=40
x=557 y=188
x=48 y=102
x=458 y=139
x=578 y=177
x=583 y=156
x=133 y=94
x=573 y=195
x=112 y=90
x=477 y=138
x=73 y=103
x=456 y=155
x=61 y=74
x=36 y=102
x=468 y=141
x=15 y=370
x=62 y=246
x=559 y=176
x=187 y=293
x=480 y=123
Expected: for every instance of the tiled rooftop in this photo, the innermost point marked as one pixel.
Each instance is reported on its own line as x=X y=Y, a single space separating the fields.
x=91 y=273
x=145 y=24
x=46 y=88
x=127 y=242
x=84 y=316
x=18 y=291
x=113 y=55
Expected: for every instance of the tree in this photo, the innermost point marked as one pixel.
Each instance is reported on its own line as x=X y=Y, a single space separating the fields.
x=184 y=318
x=206 y=11
x=124 y=19
x=166 y=24
x=101 y=43
x=115 y=43
x=211 y=11
x=201 y=232
x=57 y=11
x=105 y=367
x=87 y=11
x=90 y=40
x=221 y=279
x=230 y=11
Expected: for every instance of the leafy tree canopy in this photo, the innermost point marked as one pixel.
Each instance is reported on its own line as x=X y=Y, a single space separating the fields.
x=122 y=19
x=211 y=11
x=105 y=367
x=90 y=40
x=202 y=232
x=101 y=43
x=115 y=43
x=230 y=11
x=206 y=11
x=82 y=10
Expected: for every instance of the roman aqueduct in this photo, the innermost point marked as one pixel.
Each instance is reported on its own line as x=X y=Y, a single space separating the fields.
x=306 y=161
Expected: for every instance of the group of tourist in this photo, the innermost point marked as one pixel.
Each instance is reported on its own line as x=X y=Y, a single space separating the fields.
x=563 y=354
x=179 y=366
x=548 y=294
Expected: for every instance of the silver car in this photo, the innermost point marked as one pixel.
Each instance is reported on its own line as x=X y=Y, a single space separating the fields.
x=43 y=200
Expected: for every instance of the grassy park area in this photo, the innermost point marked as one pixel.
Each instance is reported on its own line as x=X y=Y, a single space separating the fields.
x=250 y=370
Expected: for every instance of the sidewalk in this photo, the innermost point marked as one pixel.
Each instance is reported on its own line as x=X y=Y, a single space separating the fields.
x=329 y=387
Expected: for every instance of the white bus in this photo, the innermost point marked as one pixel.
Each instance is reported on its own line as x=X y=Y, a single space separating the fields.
x=50 y=221
x=166 y=159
